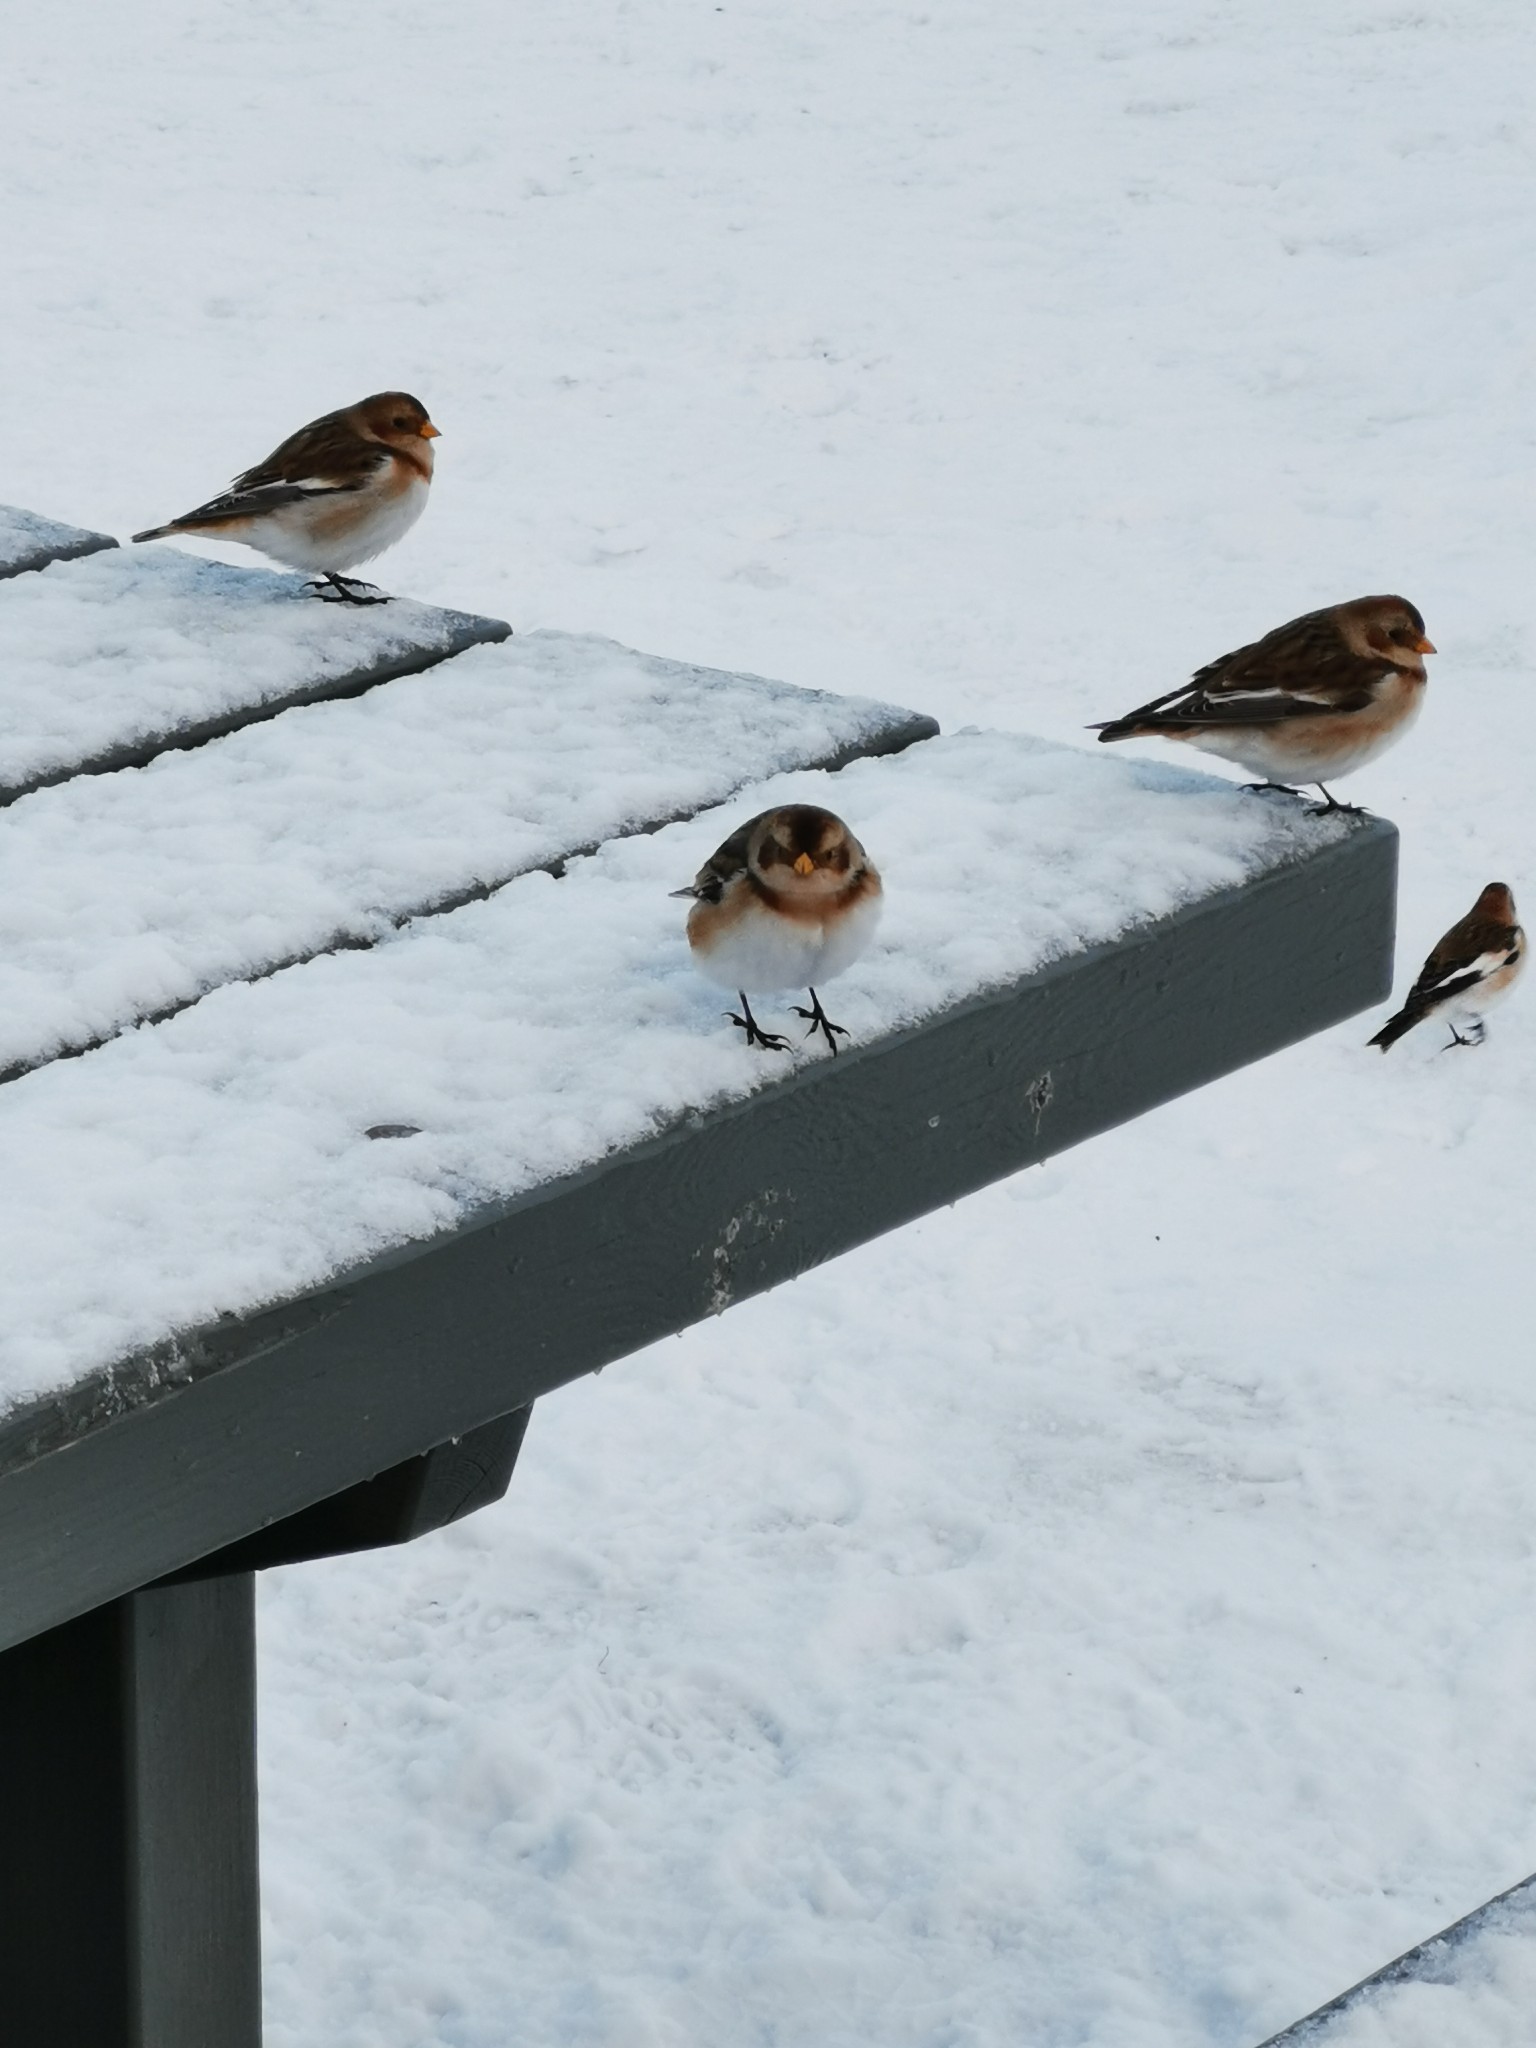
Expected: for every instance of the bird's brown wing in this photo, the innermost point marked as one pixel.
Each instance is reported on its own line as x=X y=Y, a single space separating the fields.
x=240 y=503
x=1304 y=669
x=727 y=864
x=323 y=460
x=329 y=451
x=1468 y=954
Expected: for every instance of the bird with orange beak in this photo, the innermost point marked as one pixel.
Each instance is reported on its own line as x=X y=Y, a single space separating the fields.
x=336 y=493
x=1319 y=696
x=790 y=899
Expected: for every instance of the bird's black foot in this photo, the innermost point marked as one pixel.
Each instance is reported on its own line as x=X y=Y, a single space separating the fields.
x=1477 y=1030
x=333 y=589
x=1331 y=803
x=820 y=1021
x=770 y=1041
x=1280 y=788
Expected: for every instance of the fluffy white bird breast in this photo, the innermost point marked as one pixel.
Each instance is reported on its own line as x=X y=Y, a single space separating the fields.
x=762 y=952
x=1313 y=750
x=336 y=533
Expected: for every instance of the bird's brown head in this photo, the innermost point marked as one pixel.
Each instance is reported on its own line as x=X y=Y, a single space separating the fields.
x=805 y=850
x=1496 y=904
x=398 y=420
x=1389 y=627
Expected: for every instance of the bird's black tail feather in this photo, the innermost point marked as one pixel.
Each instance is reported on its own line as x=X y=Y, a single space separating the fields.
x=1394 y=1027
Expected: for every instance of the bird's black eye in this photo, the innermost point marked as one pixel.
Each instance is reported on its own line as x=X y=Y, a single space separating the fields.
x=401 y=425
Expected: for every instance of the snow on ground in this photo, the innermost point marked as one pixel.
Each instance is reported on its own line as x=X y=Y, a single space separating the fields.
x=212 y=1164
x=1099 y=1613
x=334 y=819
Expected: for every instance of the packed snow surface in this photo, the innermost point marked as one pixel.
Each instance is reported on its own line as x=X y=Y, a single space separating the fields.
x=1101 y=1613
x=129 y=893
x=220 y=1160
x=29 y=541
x=135 y=643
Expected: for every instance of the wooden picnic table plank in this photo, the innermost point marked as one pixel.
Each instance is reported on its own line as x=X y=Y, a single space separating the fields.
x=109 y=661
x=591 y=1190
x=129 y=895
x=30 y=541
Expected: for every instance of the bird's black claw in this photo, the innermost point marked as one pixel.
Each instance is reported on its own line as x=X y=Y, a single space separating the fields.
x=1331 y=803
x=346 y=590
x=770 y=1041
x=821 y=1022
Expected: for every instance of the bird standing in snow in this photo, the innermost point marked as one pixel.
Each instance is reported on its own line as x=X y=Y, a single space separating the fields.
x=790 y=899
x=1473 y=965
x=1317 y=697
x=336 y=493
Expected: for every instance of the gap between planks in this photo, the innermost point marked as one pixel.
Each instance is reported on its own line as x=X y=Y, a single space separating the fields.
x=895 y=740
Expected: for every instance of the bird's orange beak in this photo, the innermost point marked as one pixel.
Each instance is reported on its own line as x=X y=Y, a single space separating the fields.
x=804 y=864
x=1423 y=646
x=428 y=432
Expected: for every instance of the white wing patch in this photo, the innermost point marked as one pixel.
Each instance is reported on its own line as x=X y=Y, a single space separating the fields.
x=1481 y=968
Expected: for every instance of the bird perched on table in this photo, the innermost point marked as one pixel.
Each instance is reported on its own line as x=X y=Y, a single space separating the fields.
x=1473 y=965
x=1317 y=697
x=336 y=493
x=790 y=899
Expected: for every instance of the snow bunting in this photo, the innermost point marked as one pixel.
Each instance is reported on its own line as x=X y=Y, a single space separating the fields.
x=1319 y=696
x=1473 y=965
x=336 y=493
x=790 y=899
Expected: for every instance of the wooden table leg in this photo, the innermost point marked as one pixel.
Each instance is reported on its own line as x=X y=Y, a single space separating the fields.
x=128 y=1852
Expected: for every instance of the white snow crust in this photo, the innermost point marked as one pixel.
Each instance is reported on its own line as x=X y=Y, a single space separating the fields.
x=28 y=538
x=208 y=1164
x=137 y=642
x=1097 y=1616
x=131 y=892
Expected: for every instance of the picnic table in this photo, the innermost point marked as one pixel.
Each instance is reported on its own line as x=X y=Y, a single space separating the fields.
x=357 y=1090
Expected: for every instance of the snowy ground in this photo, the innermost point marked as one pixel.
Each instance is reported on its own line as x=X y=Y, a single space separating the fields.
x=1101 y=1612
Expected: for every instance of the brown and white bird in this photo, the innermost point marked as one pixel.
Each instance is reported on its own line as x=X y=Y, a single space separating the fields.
x=1315 y=698
x=336 y=493
x=1471 y=968
x=790 y=899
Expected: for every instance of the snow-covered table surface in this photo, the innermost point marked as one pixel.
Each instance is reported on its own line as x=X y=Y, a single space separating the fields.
x=129 y=894
x=107 y=661
x=29 y=541
x=439 y=908
x=218 y=1160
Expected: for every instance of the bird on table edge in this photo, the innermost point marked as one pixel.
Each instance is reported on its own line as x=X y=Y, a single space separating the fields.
x=336 y=493
x=1317 y=697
